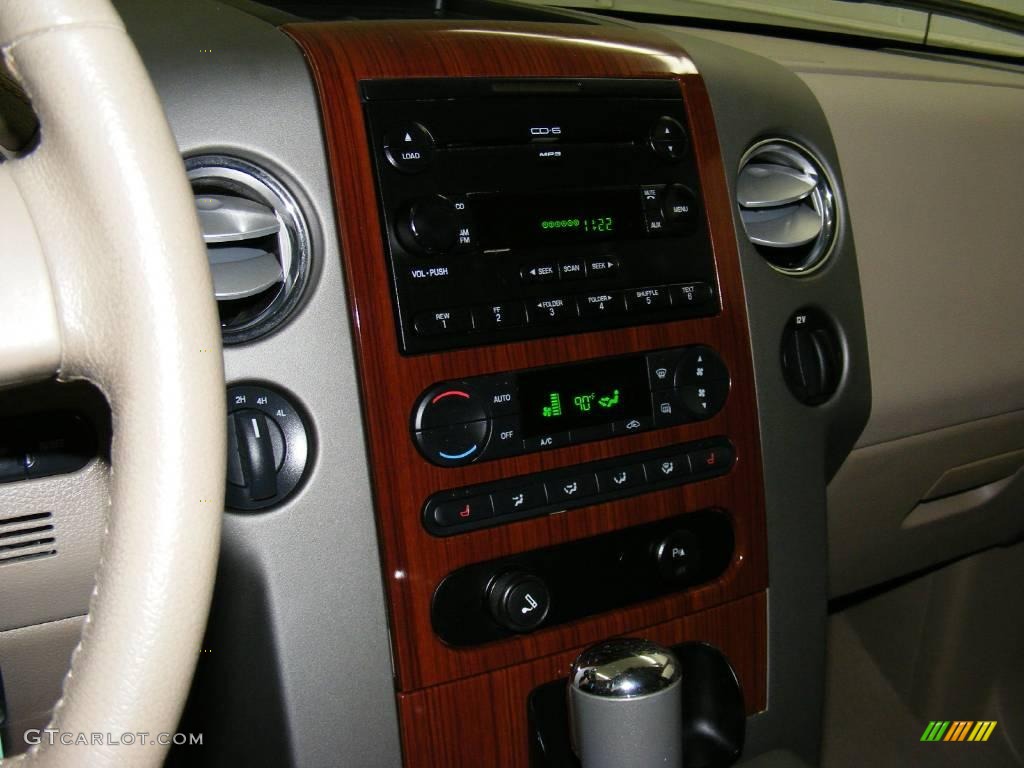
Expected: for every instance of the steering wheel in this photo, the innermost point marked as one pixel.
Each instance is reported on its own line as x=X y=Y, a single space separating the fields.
x=105 y=279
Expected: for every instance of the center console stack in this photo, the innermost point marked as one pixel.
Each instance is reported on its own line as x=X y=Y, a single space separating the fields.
x=554 y=360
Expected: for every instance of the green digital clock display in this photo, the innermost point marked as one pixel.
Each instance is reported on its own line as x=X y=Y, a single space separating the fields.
x=582 y=396
x=514 y=220
x=587 y=225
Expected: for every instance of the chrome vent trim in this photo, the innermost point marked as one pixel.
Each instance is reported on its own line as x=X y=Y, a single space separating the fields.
x=27 y=537
x=787 y=205
x=258 y=243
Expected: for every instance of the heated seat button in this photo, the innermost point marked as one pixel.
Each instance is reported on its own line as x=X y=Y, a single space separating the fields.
x=618 y=478
x=443 y=321
x=512 y=500
x=461 y=511
x=716 y=459
x=571 y=487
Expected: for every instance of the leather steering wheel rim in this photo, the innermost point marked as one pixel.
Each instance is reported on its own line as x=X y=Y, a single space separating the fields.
x=106 y=280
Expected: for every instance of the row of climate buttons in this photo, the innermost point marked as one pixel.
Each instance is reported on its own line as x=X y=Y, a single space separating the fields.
x=505 y=501
x=684 y=297
x=461 y=422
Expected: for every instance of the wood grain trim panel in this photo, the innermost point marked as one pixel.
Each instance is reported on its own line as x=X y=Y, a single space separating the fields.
x=481 y=721
x=342 y=54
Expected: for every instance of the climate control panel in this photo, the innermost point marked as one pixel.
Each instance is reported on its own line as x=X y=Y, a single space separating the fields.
x=455 y=423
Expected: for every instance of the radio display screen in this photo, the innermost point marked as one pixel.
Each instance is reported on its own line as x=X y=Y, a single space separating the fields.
x=509 y=220
x=573 y=397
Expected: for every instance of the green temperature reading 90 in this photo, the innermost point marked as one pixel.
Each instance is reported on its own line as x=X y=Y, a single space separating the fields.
x=588 y=225
x=583 y=402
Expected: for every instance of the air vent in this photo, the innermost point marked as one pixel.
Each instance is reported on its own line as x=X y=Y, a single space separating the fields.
x=28 y=537
x=257 y=241
x=787 y=205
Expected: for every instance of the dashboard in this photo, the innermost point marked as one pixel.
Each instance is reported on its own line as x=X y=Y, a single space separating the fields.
x=556 y=331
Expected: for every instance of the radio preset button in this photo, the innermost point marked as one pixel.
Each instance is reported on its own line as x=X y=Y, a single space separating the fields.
x=510 y=314
x=410 y=148
x=443 y=321
x=645 y=299
x=552 y=310
x=691 y=294
x=539 y=273
x=601 y=304
x=573 y=270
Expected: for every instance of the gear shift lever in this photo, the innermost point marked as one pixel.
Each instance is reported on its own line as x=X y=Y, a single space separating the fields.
x=625 y=706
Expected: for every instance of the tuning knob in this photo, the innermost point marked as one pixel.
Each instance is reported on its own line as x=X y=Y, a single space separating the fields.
x=430 y=225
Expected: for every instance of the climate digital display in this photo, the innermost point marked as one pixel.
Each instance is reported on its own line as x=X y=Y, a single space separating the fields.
x=509 y=220
x=583 y=396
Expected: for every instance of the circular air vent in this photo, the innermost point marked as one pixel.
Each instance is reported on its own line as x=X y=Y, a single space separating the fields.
x=257 y=241
x=787 y=205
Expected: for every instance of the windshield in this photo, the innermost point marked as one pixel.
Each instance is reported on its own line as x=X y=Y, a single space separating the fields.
x=938 y=24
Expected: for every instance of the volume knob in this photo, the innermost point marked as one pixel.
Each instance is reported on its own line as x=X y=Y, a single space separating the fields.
x=429 y=226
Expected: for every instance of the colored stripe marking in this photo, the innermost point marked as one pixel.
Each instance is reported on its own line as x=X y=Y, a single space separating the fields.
x=450 y=393
x=451 y=456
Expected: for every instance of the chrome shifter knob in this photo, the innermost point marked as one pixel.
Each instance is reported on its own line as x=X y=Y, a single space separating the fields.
x=625 y=706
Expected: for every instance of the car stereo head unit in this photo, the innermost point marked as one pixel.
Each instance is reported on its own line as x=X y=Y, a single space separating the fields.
x=514 y=209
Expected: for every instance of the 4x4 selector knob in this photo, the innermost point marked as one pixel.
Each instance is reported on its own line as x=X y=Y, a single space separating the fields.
x=430 y=225
x=519 y=601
